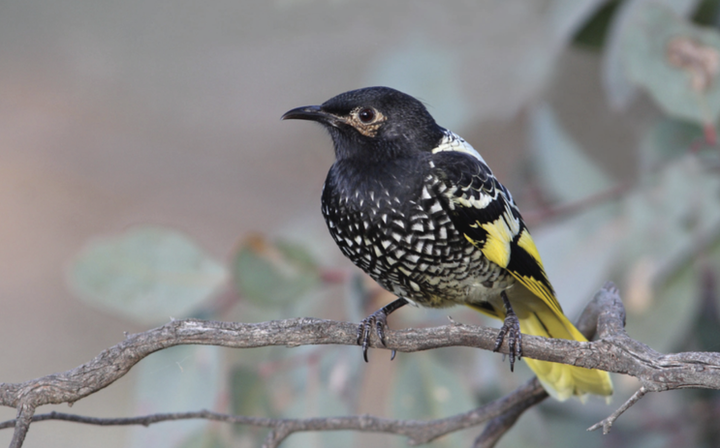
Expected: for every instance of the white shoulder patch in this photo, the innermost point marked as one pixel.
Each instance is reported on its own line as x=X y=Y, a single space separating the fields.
x=453 y=142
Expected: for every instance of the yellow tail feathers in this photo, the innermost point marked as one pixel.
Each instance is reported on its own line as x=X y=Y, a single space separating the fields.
x=561 y=381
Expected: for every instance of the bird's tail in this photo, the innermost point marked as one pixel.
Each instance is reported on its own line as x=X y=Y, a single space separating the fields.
x=561 y=381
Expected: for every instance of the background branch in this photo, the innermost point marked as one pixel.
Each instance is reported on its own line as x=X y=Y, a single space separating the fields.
x=418 y=432
x=614 y=352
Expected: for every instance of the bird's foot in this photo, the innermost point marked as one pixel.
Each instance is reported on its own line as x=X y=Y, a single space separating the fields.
x=378 y=321
x=511 y=329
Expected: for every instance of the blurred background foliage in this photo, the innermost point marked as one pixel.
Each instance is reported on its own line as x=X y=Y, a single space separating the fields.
x=141 y=148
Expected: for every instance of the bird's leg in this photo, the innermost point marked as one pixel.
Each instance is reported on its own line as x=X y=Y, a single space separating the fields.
x=511 y=328
x=379 y=318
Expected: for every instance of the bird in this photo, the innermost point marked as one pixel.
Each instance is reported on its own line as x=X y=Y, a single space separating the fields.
x=419 y=210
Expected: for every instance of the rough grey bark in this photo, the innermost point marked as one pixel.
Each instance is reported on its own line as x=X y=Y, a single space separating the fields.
x=613 y=351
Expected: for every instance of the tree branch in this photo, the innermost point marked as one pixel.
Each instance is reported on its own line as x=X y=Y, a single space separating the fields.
x=418 y=432
x=22 y=424
x=614 y=352
x=607 y=423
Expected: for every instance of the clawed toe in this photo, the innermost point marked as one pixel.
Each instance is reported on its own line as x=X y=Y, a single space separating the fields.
x=378 y=320
x=511 y=329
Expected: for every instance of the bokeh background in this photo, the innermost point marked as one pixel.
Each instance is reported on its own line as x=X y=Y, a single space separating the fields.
x=141 y=138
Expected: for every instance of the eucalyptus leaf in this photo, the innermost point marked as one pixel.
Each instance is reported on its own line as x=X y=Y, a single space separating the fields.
x=148 y=274
x=565 y=172
x=565 y=17
x=594 y=32
x=249 y=395
x=178 y=379
x=676 y=62
x=578 y=253
x=318 y=402
x=618 y=87
x=662 y=323
x=667 y=139
x=531 y=431
x=425 y=389
x=271 y=274
x=668 y=222
x=208 y=438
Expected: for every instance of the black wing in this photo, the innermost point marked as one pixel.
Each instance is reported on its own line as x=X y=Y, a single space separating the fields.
x=483 y=210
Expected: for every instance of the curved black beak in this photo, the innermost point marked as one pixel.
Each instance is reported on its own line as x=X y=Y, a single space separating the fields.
x=312 y=113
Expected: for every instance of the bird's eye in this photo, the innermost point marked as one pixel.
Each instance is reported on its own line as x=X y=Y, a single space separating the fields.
x=366 y=115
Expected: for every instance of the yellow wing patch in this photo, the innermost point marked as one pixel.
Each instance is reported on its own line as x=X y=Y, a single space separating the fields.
x=526 y=242
x=497 y=248
x=500 y=233
x=537 y=287
x=497 y=244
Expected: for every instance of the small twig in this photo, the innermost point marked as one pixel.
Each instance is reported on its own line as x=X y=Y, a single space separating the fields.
x=498 y=426
x=418 y=432
x=147 y=420
x=607 y=423
x=533 y=217
x=22 y=424
x=546 y=211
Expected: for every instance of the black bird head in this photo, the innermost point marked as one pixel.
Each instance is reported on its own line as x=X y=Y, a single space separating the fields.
x=374 y=124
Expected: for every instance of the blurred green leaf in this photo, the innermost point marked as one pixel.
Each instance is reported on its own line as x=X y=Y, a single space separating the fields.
x=564 y=171
x=272 y=274
x=668 y=221
x=425 y=389
x=249 y=395
x=707 y=13
x=619 y=89
x=318 y=401
x=707 y=322
x=667 y=139
x=147 y=274
x=667 y=214
x=566 y=17
x=178 y=379
x=208 y=438
x=663 y=322
x=531 y=431
x=676 y=62
x=578 y=253
x=593 y=32
x=341 y=370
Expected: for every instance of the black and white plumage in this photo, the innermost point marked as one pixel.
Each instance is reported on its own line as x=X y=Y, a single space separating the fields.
x=397 y=229
x=418 y=209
